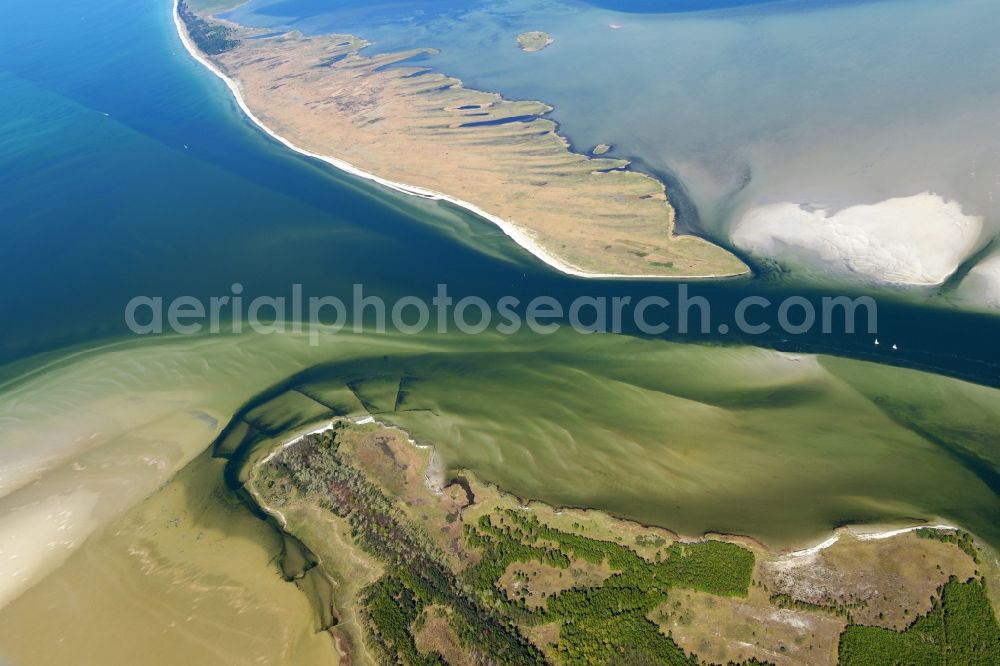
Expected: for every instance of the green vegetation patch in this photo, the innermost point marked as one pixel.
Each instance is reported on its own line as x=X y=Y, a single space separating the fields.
x=603 y=623
x=482 y=595
x=842 y=609
x=960 y=629
x=536 y=40
x=416 y=571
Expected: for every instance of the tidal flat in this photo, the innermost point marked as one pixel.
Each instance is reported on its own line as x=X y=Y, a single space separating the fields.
x=187 y=575
x=696 y=439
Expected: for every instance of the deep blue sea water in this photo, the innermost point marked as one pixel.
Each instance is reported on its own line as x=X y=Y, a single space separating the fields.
x=126 y=169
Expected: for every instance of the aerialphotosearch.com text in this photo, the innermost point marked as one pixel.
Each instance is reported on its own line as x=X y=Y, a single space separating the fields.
x=676 y=311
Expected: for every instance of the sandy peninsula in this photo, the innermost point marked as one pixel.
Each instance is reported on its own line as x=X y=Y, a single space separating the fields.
x=423 y=133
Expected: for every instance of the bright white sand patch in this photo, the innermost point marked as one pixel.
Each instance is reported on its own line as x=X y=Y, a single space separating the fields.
x=806 y=552
x=916 y=240
x=888 y=534
x=860 y=534
x=791 y=618
x=981 y=287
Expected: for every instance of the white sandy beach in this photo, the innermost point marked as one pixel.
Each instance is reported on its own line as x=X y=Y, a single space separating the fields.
x=861 y=535
x=915 y=241
x=514 y=232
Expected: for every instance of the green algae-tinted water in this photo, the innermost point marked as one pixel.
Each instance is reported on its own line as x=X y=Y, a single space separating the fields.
x=780 y=446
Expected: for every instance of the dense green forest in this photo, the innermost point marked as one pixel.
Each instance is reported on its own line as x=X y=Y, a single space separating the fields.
x=960 y=629
x=600 y=624
x=959 y=538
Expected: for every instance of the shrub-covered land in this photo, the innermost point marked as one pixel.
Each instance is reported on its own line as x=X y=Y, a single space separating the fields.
x=211 y=38
x=842 y=609
x=958 y=538
x=600 y=624
x=416 y=574
x=960 y=629
x=597 y=625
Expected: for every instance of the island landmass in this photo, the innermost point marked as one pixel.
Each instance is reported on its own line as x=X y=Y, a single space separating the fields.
x=535 y=40
x=433 y=568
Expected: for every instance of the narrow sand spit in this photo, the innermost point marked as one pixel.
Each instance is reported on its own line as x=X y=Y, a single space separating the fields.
x=515 y=233
x=864 y=536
